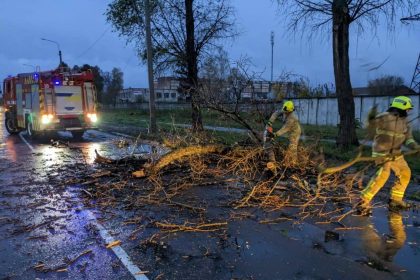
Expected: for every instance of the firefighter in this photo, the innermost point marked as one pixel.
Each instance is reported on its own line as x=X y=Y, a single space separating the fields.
x=291 y=127
x=391 y=132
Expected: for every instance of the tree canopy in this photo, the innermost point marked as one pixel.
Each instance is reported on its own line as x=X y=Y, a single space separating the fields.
x=337 y=16
x=213 y=21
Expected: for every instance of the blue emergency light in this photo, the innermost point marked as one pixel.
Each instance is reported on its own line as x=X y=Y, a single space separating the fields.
x=56 y=81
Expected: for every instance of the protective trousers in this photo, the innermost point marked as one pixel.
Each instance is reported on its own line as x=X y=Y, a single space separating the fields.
x=292 y=151
x=402 y=173
x=290 y=155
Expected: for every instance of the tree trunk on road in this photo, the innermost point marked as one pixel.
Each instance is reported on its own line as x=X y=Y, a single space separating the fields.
x=341 y=23
x=192 y=68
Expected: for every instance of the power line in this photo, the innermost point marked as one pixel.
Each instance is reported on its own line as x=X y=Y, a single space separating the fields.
x=413 y=17
x=93 y=44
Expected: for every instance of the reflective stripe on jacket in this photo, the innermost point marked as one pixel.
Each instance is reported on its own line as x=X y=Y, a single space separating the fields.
x=392 y=131
x=291 y=127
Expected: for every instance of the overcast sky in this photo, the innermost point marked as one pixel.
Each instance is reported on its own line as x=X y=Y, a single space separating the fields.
x=81 y=29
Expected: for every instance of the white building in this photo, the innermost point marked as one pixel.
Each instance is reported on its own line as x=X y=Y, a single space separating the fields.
x=133 y=95
x=166 y=90
x=258 y=90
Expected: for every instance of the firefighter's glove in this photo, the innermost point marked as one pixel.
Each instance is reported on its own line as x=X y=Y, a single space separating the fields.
x=414 y=146
x=270 y=133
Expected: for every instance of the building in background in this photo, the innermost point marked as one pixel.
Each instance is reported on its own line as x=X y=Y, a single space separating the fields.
x=257 y=90
x=166 y=90
x=133 y=95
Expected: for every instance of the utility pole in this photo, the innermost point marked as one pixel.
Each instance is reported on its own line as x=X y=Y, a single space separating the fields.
x=152 y=107
x=272 y=56
x=415 y=81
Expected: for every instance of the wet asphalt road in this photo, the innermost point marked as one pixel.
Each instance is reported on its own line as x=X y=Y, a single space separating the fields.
x=43 y=225
x=46 y=232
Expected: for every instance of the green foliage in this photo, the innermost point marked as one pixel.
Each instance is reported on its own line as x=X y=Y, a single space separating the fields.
x=332 y=151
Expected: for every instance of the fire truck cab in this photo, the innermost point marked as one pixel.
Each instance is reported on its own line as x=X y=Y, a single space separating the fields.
x=42 y=102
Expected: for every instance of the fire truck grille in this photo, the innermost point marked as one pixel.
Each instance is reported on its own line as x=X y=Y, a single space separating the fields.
x=70 y=123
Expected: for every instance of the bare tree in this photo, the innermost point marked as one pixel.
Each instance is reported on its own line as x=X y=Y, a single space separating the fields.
x=183 y=33
x=338 y=15
x=214 y=72
x=113 y=84
x=385 y=85
x=222 y=88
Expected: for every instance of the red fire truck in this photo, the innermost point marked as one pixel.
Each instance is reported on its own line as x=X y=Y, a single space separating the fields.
x=42 y=102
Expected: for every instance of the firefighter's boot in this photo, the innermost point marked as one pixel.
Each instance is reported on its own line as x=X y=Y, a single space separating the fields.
x=398 y=205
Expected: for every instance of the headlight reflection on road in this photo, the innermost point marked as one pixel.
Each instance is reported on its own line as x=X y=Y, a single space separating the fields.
x=50 y=156
x=89 y=152
x=10 y=148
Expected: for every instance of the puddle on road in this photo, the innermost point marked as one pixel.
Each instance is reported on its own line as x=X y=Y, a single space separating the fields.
x=385 y=238
x=53 y=152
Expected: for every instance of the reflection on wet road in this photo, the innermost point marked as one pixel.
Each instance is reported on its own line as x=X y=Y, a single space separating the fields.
x=385 y=248
x=44 y=230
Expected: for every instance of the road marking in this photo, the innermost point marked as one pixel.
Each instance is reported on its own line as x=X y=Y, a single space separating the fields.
x=26 y=142
x=118 y=250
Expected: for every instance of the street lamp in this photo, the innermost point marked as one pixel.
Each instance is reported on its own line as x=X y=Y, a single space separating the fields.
x=37 y=69
x=30 y=65
x=58 y=46
x=272 y=60
x=272 y=54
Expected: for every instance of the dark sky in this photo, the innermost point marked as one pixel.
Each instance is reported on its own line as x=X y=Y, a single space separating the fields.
x=81 y=29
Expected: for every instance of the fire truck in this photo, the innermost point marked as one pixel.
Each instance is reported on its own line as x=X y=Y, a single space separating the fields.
x=50 y=101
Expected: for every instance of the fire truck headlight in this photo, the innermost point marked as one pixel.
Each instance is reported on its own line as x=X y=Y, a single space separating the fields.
x=93 y=118
x=46 y=119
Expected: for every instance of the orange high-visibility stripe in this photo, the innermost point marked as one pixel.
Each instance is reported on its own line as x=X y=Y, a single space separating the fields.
x=366 y=194
x=41 y=102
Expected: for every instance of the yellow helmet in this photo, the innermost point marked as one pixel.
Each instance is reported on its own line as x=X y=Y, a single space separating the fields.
x=402 y=102
x=288 y=106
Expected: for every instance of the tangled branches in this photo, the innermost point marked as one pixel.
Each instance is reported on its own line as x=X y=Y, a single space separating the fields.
x=195 y=178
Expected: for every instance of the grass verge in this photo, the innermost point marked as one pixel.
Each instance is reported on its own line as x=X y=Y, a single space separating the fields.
x=167 y=118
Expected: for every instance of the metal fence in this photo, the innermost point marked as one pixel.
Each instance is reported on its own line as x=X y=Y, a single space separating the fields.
x=324 y=111
x=316 y=111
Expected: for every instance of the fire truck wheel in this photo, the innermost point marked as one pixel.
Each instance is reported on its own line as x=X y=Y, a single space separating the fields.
x=77 y=134
x=10 y=126
x=30 y=131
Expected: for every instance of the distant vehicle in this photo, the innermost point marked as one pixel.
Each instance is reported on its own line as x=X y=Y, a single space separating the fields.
x=50 y=101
